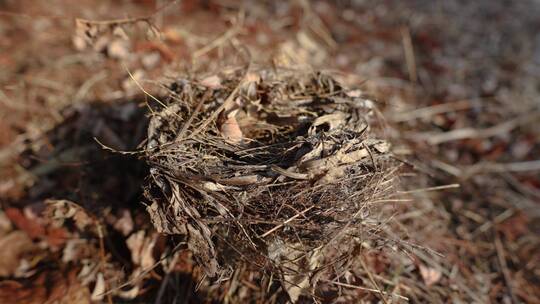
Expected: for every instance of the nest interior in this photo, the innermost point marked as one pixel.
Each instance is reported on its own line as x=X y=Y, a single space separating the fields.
x=279 y=169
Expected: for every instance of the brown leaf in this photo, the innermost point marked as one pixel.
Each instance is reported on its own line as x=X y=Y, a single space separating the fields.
x=141 y=248
x=333 y=121
x=14 y=245
x=60 y=210
x=101 y=37
x=202 y=250
x=124 y=224
x=296 y=278
x=161 y=222
x=354 y=93
x=252 y=77
x=430 y=275
x=213 y=82
x=164 y=51
x=75 y=250
x=172 y=35
x=99 y=289
x=230 y=130
x=5 y=224
x=12 y=291
x=66 y=290
x=118 y=49
x=32 y=228
x=56 y=236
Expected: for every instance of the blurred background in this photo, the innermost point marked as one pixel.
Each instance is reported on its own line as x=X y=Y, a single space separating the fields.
x=458 y=84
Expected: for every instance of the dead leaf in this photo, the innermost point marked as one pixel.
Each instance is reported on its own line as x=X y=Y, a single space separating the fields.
x=118 y=49
x=32 y=228
x=124 y=224
x=333 y=161
x=430 y=275
x=14 y=245
x=303 y=50
x=333 y=121
x=12 y=291
x=129 y=294
x=99 y=289
x=66 y=290
x=382 y=146
x=354 y=93
x=89 y=272
x=5 y=224
x=212 y=82
x=202 y=250
x=160 y=220
x=130 y=83
x=84 y=32
x=249 y=85
x=141 y=248
x=151 y=60
x=342 y=157
x=297 y=278
x=101 y=37
x=47 y=287
x=332 y=175
x=60 y=210
x=252 y=77
x=29 y=223
x=230 y=130
x=173 y=35
x=56 y=236
x=211 y=186
x=74 y=250
x=164 y=51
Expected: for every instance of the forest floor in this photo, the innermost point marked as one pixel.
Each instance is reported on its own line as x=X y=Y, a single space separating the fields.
x=458 y=83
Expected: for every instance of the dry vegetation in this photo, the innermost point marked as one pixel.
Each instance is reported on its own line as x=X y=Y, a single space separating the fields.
x=274 y=170
x=218 y=151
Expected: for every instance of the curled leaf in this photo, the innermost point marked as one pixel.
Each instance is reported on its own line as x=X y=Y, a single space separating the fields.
x=230 y=130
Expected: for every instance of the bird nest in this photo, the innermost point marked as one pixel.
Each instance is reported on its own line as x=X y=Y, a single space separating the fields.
x=279 y=169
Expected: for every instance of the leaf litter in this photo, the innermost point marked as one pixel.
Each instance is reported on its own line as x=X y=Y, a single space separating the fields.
x=489 y=246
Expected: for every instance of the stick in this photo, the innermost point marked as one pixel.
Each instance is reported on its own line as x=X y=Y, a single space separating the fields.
x=186 y=125
x=142 y=89
x=128 y=20
x=437 y=188
x=286 y=222
x=366 y=289
x=467 y=133
x=504 y=267
x=217 y=42
x=409 y=54
x=434 y=110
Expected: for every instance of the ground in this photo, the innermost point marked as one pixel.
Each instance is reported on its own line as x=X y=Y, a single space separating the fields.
x=456 y=82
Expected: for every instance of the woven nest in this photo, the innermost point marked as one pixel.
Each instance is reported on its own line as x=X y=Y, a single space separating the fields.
x=277 y=169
